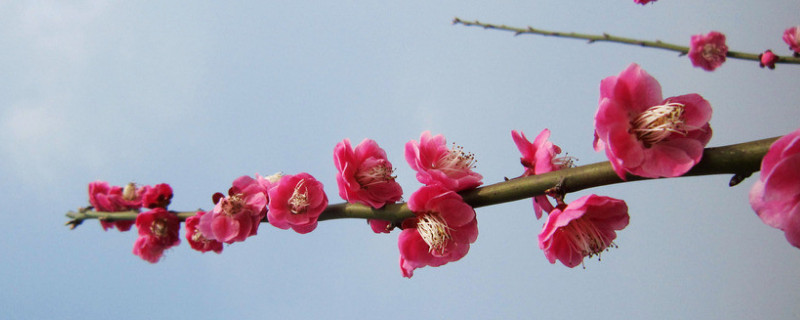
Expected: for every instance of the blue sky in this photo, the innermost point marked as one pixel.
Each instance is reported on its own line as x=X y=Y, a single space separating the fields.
x=196 y=94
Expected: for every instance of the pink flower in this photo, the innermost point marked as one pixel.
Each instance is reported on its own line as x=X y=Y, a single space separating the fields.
x=792 y=37
x=296 y=202
x=776 y=195
x=708 y=51
x=365 y=174
x=114 y=199
x=196 y=238
x=158 y=196
x=539 y=157
x=237 y=216
x=767 y=59
x=647 y=136
x=436 y=164
x=585 y=227
x=440 y=232
x=158 y=231
x=643 y=1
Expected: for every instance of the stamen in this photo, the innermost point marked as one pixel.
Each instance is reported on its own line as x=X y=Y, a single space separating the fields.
x=586 y=238
x=375 y=175
x=434 y=231
x=456 y=160
x=233 y=204
x=159 y=228
x=659 y=122
x=564 y=162
x=711 y=52
x=299 y=200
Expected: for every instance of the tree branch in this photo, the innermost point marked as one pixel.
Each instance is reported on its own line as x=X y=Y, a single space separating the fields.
x=609 y=38
x=740 y=160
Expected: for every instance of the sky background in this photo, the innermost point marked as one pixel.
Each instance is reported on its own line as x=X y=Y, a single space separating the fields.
x=197 y=93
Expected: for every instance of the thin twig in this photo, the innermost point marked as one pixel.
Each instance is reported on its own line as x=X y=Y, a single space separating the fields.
x=609 y=38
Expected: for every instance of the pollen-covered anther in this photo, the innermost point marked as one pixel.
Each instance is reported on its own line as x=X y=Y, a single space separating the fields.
x=456 y=159
x=159 y=228
x=299 y=200
x=233 y=204
x=564 y=162
x=657 y=123
x=434 y=231
x=375 y=175
x=586 y=238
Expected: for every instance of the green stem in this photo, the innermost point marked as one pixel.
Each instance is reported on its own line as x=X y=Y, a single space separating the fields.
x=609 y=38
x=740 y=160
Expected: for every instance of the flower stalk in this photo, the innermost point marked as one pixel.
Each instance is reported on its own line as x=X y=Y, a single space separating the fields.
x=683 y=50
x=740 y=160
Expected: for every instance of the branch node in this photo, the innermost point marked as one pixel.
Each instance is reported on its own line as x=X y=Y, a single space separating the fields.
x=738 y=178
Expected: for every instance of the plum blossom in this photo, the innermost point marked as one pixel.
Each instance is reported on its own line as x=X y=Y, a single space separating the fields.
x=792 y=37
x=643 y=1
x=441 y=231
x=237 y=216
x=436 y=164
x=776 y=195
x=196 y=238
x=767 y=59
x=365 y=174
x=158 y=231
x=708 y=51
x=540 y=157
x=296 y=202
x=158 y=196
x=114 y=199
x=585 y=227
x=645 y=135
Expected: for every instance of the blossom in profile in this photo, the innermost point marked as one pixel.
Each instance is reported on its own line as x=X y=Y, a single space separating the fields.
x=237 y=216
x=437 y=164
x=792 y=37
x=776 y=195
x=584 y=228
x=441 y=231
x=158 y=231
x=767 y=59
x=104 y=197
x=540 y=157
x=296 y=202
x=644 y=135
x=708 y=51
x=365 y=174
x=643 y=1
x=158 y=196
x=196 y=238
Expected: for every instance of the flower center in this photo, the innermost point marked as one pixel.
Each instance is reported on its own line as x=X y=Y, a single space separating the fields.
x=375 y=175
x=584 y=237
x=159 y=228
x=711 y=52
x=233 y=204
x=434 y=231
x=455 y=160
x=299 y=200
x=659 y=122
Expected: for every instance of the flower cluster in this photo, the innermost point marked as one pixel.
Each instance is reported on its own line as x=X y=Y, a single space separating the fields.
x=641 y=134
